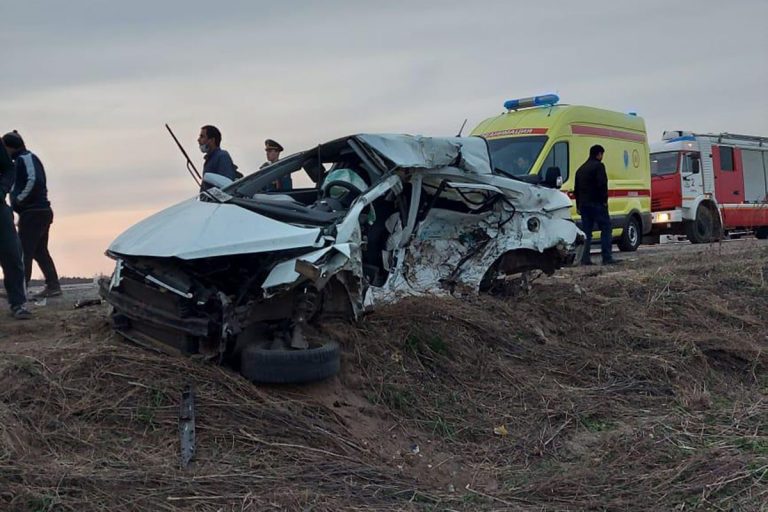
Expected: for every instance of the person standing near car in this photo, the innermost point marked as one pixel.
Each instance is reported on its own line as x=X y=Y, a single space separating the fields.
x=591 y=191
x=217 y=161
x=10 y=249
x=273 y=149
x=29 y=199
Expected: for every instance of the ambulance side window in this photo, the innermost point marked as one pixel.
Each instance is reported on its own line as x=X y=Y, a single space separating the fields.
x=557 y=157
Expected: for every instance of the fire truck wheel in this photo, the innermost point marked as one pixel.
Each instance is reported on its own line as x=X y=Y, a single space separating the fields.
x=630 y=237
x=762 y=233
x=702 y=229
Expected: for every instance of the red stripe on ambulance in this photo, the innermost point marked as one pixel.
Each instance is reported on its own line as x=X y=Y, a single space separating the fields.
x=580 y=129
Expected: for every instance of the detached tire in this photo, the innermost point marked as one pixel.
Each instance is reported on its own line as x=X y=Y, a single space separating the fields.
x=631 y=236
x=292 y=366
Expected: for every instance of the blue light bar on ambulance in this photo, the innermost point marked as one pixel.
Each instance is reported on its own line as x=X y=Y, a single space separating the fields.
x=533 y=101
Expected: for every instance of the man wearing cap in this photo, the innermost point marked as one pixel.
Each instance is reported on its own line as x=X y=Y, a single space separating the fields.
x=218 y=169
x=273 y=149
x=10 y=248
x=29 y=199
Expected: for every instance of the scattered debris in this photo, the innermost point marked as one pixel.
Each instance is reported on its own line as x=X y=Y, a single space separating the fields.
x=501 y=430
x=83 y=303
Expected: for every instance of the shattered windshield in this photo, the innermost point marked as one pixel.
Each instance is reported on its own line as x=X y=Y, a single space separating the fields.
x=325 y=181
x=664 y=163
x=515 y=155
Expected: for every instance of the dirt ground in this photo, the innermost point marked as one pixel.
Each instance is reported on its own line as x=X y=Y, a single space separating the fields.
x=629 y=388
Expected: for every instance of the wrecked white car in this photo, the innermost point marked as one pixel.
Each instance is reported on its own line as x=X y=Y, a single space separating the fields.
x=242 y=275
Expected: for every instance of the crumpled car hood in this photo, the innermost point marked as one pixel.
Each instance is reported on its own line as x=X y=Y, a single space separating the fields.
x=196 y=229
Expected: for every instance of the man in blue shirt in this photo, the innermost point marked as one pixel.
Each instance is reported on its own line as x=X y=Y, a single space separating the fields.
x=217 y=161
x=29 y=199
x=10 y=249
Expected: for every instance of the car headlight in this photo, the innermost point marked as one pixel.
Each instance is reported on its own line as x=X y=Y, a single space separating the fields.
x=534 y=224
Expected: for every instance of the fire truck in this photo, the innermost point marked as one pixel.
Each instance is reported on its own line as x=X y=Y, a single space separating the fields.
x=706 y=186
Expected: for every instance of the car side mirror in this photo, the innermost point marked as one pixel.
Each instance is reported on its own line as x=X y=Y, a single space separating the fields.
x=553 y=178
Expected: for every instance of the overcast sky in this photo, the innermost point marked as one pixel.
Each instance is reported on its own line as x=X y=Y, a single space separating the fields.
x=89 y=84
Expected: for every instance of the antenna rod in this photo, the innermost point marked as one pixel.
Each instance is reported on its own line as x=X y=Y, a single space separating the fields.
x=462 y=128
x=190 y=166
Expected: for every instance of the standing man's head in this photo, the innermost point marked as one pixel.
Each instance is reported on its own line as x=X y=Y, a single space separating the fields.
x=273 y=150
x=596 y=152
x=209 y=139
x=13 y=143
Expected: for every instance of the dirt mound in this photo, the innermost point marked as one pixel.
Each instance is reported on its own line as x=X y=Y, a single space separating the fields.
x=642 y=388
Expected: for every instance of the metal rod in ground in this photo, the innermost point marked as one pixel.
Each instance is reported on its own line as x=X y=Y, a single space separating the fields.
x=187 y=425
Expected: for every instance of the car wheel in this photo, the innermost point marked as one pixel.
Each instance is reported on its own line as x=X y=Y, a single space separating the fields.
x=762 y=233
x=631 y=236
x=290 y=366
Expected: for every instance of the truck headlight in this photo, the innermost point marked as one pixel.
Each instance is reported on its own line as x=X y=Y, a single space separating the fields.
x=534 y=224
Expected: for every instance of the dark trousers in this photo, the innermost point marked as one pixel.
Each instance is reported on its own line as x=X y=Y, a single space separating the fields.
x=34 y=226
x=10 y=258
x=596 y=215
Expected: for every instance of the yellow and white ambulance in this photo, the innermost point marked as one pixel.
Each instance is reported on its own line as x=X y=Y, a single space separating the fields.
x=537 y=134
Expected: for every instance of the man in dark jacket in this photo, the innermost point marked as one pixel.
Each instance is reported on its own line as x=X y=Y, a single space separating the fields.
x=29 y=198
x=10 y=249
x=591 y=192
x=218 y=163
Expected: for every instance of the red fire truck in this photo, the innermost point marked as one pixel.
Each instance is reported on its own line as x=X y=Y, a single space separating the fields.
x=706 y=186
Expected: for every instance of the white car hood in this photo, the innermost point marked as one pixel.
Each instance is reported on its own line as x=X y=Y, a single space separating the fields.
x=196 y=229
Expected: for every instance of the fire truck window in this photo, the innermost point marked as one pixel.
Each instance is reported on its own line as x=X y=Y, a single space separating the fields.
x=557 y=157
x=726 y=159
x=664 y=163
x=688 y=158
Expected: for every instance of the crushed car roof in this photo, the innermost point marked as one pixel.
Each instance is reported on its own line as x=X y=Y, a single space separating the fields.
x=415 y=151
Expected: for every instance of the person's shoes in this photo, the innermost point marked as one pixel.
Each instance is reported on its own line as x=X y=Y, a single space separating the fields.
x=612 y=262
x=21 y=313
x=48 y=292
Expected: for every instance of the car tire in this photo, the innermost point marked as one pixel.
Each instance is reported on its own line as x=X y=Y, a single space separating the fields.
x=290 y=366
x=762 y=233
x=702 y=229
x=631 y=236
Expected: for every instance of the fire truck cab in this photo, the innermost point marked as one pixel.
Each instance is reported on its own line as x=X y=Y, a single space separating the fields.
x=708 y=185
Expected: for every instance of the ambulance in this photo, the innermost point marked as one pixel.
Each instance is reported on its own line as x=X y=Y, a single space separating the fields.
x=706 y=186
x=536 y=136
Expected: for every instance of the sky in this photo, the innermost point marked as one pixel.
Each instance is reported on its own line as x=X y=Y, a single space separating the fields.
x=90 y=84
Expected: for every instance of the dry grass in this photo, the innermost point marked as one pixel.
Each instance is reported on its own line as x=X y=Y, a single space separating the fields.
x=642 y=389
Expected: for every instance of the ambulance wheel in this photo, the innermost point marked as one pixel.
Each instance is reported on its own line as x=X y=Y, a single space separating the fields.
x=702 y=229
x=762 y=233
x=630 y=236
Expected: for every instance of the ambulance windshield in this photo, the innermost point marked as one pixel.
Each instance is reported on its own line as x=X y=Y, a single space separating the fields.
x=515 y=155
x=664 y=163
